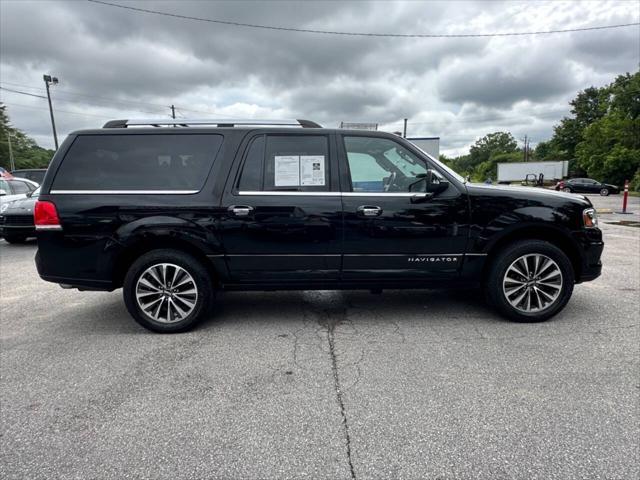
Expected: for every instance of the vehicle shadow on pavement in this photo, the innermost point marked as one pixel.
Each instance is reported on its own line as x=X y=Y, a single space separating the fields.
x=107 y=315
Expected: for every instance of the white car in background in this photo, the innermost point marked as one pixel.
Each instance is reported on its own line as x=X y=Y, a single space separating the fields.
x=14 y=189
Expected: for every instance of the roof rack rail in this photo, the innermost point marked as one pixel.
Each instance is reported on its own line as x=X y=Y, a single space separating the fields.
x=225 y=122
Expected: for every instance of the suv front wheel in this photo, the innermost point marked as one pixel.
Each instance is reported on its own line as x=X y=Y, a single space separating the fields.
x=167 y=291
x=530 y=281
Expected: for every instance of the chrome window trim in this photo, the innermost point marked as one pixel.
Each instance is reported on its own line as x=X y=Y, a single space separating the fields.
x=329 y=194
x=123 y=192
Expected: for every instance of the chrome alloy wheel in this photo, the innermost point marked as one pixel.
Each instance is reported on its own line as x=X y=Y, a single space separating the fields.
x=166 y=293
x=532 y=283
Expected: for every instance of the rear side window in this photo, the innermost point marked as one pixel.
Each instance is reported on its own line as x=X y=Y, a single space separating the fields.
x=20 y=187
x=286 y=163
x=138 y=162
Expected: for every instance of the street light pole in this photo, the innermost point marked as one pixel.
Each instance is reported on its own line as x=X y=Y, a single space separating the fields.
x=49 y=80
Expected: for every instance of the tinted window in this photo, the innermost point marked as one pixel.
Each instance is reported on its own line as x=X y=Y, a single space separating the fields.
x=19 y=187
x=4 y=185
x=381 y=165
x=251 y=178
x=36 y=176
x=138 y=162
x=288 y=163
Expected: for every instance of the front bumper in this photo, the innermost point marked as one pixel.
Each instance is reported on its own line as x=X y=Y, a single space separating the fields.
x=591 y=246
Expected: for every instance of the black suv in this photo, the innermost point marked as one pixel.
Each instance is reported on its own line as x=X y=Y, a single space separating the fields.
x=173 y=215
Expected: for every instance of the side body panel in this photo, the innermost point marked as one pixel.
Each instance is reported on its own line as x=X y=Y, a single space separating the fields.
x=405 y=241
x=99 y=229
x=286 y=236
x=498 y=213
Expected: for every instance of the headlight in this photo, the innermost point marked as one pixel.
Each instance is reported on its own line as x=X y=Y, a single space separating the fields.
x=590 y=218
x=4 y=207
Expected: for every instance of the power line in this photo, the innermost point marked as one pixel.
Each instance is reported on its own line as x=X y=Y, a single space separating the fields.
x=66 y=99
x=124 y=102
x=357 y=34
x=67 y=92
x=57 y=111
x=22 y=93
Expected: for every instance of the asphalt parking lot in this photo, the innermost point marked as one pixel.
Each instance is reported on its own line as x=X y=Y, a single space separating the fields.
x=417 y=384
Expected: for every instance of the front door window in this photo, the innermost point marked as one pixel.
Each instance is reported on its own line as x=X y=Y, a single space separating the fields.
x=381 y=165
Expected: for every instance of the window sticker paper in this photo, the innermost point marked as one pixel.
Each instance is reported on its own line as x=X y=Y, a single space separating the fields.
x=312 y=170
x=287 y=171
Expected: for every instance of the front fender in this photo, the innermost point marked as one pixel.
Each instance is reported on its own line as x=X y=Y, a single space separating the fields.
x=531 y=218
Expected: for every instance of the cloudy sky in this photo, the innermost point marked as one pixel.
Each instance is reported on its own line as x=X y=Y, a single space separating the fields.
x=116 y=63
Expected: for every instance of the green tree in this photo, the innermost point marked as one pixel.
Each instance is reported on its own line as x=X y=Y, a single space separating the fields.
x=26 y=152
x=588 y=106
x=610 y=146
x=492 y=144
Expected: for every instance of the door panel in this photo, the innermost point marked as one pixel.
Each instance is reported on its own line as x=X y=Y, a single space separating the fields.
x=282 y=225
x=404 y=240
x=285 y=237
x=386 y=235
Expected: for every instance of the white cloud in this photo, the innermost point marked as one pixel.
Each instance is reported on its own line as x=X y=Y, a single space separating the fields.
x=459 y=89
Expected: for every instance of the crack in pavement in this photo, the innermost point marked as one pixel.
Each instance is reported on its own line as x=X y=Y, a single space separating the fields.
x=336 y=381
x=330 y=317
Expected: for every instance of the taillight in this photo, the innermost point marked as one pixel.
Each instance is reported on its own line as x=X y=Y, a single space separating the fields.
x=45 y=216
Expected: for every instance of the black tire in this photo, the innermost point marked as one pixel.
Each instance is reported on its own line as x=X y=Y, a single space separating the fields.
x=493 y=285
x=604 y=192
x=15 y=238
x=567 y=190
x=199 y=276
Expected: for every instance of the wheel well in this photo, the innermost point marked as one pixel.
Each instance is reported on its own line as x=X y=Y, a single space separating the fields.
x=132 y=253
x=537 y=233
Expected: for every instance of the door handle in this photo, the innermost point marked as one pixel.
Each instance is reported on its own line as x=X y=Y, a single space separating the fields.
x=240 y=210
x=369 y=211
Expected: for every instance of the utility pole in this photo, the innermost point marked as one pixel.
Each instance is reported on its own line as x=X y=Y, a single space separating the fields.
x=525 y=151
x=173 y=112
x=12 y=163
x=49 y=80
x=404 y=132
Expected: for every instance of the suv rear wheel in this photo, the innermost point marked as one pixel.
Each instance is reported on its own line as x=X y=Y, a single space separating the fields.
x=167 y=291
x=530 y=281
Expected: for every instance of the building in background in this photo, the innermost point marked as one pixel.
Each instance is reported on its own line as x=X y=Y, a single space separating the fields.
x=431 y=145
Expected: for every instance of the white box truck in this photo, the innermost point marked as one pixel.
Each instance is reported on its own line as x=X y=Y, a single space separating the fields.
x=519 y=171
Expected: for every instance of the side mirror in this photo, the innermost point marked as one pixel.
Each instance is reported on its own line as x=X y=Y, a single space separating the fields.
x=435 y=183
x=2 y=192
x=428 y=185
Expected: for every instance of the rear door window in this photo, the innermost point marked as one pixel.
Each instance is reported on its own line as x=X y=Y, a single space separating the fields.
x=298 y=163
x=157 y=162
